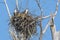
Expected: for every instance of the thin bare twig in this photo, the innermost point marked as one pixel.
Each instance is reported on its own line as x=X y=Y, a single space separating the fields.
x=39 y=6
x=17 y=4
x=7 y=9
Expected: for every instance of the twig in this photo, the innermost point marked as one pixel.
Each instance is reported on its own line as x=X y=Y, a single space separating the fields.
x=39 y=6
x=13 y=33
x=17 y=4
x=7 y=9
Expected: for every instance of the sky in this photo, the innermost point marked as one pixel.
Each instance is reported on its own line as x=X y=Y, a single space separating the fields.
x=48 y=7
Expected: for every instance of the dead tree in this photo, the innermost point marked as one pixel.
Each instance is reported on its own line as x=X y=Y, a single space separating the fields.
x=55 y=35
x=23 y=25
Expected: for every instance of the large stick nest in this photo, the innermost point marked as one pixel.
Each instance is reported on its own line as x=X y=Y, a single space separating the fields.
x=23 y=23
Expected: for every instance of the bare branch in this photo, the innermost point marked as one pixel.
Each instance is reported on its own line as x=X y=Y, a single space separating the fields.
x=13 y=33
x=53 y=17
x=41 y=34
x=7 y=9
x=46 y=27
x=17 y=4
x=48 y=24
x=57 y=7
x=52 y=26
x=39 y=6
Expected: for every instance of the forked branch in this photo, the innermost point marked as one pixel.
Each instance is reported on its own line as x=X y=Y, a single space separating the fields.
x=53 y=16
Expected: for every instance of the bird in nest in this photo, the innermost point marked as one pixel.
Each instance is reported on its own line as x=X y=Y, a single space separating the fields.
x=23 y=23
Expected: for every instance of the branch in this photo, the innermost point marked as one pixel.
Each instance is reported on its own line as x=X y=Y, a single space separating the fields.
x=17 y=4
x=7 y=9
x=13 y=33
x=41 y=34
x=57 y=7
x=53 y=17
x=39 y=6
x=48 y=24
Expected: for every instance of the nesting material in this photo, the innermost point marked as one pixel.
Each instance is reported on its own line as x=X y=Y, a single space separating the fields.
x=23 y=24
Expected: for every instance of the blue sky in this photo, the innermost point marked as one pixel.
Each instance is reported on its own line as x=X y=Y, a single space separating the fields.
x=48 y=7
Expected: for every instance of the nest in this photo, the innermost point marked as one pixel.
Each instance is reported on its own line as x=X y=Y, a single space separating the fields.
x=23 y=23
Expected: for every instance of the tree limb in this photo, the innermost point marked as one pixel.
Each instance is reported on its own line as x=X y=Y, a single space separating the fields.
x=53 y=17
x=17 y=4
x=7 y=9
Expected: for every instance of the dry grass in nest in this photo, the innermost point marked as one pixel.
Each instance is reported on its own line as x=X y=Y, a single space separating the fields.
x=22 y=23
